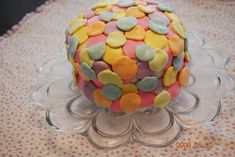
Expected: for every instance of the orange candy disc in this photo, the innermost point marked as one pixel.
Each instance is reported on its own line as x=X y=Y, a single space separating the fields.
x=130 y=102
x=134 y=11
x=176 y=45
x=100 y=99
x=129 y=88
x=96 y=28
x=184 y=76
x=137 y=33
x=125 y=67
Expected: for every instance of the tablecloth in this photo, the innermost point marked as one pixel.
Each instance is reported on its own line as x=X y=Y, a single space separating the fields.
x=23 y=129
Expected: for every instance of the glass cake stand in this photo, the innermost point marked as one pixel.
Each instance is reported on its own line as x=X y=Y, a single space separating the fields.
x=68 y=110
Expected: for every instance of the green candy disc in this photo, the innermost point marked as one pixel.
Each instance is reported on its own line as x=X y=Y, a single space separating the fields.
x=165 y=7
x=158 y=26
x=88 y=71
x=107 y=16
x=162 y=99
x=147 y=84
x=126 y=23
x=144 y=52
x=178 y=62
x=125 y=3
x=97 y=51
x=73 y=44
x=111 y=92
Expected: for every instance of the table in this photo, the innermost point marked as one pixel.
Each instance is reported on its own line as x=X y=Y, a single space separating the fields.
x=23 y=130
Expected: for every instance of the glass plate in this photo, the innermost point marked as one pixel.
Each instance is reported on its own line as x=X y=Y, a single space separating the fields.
x=68 y=110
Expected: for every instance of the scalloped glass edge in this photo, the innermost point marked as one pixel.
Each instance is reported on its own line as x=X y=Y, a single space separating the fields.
x=68 y=110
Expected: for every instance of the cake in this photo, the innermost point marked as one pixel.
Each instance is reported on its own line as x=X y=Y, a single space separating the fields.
x=129 y=55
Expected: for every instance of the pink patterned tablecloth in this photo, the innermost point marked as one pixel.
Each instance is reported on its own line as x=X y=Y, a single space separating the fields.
x=23 y=130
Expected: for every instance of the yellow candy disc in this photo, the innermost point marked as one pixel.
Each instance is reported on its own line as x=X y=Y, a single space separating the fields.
x=99 y=5
x=159 y=61
x=85 y=58
x=155 y=40
x=178 y=28
x=111 y=54
x=162 y=99
x=134 y=11
x=81 y=34
x=119 y=14
x=80 y=16
x=116 y=39
x=176 y=45
x=169 y=77
x=130 y=102
x=184 y=76
x=98 y=11
x=100 y=99
x=141 y=2
x=96 y=28
x=137 y=33
x=125 y=67
x=84 y=45
x=76 y=24
x=146 y=9
x=129 y=88
x=109 y=77
x=172 y=16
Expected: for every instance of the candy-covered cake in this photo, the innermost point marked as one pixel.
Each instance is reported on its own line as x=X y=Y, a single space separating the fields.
x=128 y=55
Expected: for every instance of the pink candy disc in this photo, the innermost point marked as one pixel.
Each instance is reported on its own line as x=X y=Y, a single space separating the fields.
x=97 y=83
x=160 y=15
x=96 y=39
x=92 y=20
x=160 y=87
x=144 y=21
x=143 y=70
x=89 y=13
x=99 y=66
x=170 y=32
x=81 y=83
x=152 y=6
x=110 y=27
x=89 y=89
x=128 y=80
x=116 y=8
x=154 y=2
x=146 y=98
x=130 y=47
x=77 y=56
x=115 y=107
x=174 y=90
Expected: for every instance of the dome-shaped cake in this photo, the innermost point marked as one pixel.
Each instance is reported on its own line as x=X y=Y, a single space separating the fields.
x=129 y=55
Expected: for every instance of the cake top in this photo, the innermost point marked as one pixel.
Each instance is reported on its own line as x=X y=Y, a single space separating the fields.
x=129 y=55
